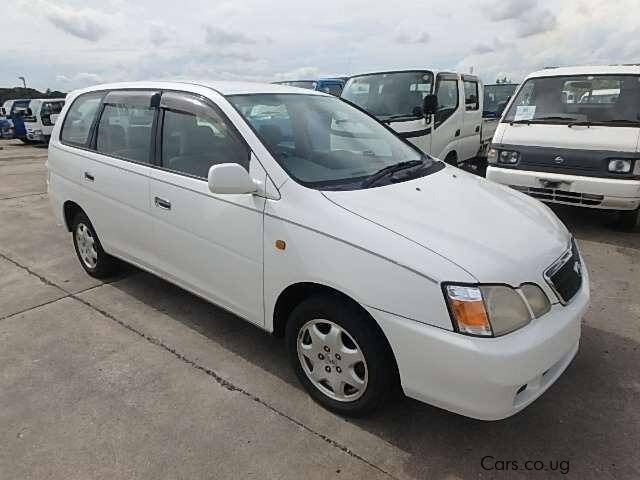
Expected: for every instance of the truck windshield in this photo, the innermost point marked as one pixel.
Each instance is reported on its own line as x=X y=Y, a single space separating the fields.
x=325 y=143
x=612 y=100
x=496 y=97
x=394 y=95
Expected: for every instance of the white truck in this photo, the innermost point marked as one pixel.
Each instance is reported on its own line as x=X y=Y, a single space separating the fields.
x=438 y=111
x=571 y=136
x=40 y=118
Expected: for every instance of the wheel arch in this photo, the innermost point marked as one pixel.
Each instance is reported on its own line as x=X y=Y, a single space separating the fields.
x=295 y=293
x=69 y=210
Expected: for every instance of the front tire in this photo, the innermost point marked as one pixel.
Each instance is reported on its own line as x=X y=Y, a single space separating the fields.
x=340 y=356
x=95 y=261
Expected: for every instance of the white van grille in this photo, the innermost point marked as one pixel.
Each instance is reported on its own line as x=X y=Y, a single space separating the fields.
x=561 y=196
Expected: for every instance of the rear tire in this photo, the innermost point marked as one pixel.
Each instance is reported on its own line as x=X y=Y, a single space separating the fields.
x=95 y=261
x=628 y=219
x=340 y=355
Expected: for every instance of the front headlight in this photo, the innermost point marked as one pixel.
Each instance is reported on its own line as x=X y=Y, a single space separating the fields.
x=620 y=165
x=508 y=157
x=494 y=310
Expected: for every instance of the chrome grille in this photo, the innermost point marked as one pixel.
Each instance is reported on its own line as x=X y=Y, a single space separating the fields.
x=561 y=196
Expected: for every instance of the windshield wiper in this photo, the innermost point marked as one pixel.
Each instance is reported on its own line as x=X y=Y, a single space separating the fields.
x=623 y=120
x=390 y=170
x=391 y=118
x=541 y=120
x=580 y=123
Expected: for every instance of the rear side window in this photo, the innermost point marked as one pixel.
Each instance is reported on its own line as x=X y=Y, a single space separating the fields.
x=192 y=142
x=125 y=131
x=80 y=117
x=471 y=95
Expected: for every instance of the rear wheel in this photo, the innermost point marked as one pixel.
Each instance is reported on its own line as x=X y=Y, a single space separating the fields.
x=93 y=258
x=340 y=356
x=451 y=159
x=628 y=219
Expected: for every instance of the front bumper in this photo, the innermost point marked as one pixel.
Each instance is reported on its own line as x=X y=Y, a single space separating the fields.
x=595 y=192
x=35 y=135
x=483 y=378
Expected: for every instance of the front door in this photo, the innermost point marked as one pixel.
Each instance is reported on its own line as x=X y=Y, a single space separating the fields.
x=448 y=118
x=210 y=244
x=472 y=122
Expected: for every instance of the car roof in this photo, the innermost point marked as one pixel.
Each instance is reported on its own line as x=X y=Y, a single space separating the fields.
x=587 y=70
x=222 y=87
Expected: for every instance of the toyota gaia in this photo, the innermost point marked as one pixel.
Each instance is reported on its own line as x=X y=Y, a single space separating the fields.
x=381 y=266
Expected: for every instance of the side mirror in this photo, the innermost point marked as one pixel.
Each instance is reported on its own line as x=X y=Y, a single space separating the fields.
x=228 y=178
x=430 y=104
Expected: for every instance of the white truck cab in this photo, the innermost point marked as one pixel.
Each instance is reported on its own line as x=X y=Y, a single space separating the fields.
x=439 y=112
x=570 y=135
x=42 y=114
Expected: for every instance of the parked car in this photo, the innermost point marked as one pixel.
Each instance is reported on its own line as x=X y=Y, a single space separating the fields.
x=579 y=149
x=6 y=125
x=15 y=110
x=439 y=112
x=362 y=251
x=333 y=86
x=40 y=117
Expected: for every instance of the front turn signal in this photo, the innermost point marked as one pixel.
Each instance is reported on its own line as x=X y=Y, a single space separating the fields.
x=467 y=310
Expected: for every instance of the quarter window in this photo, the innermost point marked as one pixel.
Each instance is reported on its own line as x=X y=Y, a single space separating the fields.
x=471 y=95
x=80 y=118
x=192 y=143
x=125 y=131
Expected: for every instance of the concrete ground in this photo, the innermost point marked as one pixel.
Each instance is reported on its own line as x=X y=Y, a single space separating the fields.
x=136 y=378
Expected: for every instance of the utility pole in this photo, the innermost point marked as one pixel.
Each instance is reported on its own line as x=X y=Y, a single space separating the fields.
x=24 y=82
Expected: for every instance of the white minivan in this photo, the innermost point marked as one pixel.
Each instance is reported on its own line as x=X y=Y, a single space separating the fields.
x=307 y=217
x=438 y=111
x=41 y=116
x=572 y=136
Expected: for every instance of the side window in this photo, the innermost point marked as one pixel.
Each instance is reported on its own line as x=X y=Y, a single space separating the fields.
x=471 y=95
x=77 y=124
x=125 y=131
x=447 y=93
x=193 y=142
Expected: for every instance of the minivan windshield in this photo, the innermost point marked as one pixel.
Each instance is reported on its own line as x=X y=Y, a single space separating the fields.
x=392 y=95
x=322 y=142
x=611 y=100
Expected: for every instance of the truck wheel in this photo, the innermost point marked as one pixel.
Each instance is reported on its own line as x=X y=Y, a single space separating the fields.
x=451 y=159
x=628 y=219
x=340 y=356
x=95 y=261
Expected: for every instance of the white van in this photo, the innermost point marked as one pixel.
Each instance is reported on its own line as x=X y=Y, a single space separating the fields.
x=40 y=118
x=310 y=219
x=571 y=136
x=439 y=112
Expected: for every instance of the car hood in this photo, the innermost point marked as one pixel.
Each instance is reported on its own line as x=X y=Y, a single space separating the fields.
x=494 y=233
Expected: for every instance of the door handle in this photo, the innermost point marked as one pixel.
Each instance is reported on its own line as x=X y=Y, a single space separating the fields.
x=477 y=128
x=88 y=177
x=458 y=133
x=162 y=203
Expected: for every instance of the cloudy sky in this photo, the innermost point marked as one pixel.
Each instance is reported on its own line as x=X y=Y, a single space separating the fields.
x=66 y=44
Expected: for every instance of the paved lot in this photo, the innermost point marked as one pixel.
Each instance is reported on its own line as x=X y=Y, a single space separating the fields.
x=136 y=378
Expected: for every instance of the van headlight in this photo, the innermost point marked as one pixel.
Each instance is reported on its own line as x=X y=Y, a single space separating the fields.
x=620 y=165
x=494 y=310
x=504 y=157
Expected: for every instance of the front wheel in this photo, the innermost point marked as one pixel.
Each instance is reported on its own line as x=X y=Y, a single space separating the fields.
x=340 y=356
x=628 y=219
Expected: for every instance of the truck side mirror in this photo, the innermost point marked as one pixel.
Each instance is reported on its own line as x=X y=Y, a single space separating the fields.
x=430 y=105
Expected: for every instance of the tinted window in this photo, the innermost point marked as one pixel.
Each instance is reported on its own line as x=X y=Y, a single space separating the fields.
x=447 y=92
x=125 y=131
x=80 y=117
x=471 y=95
x=192 y=143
